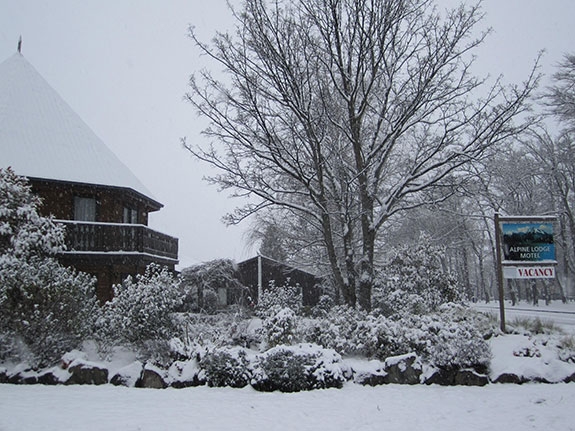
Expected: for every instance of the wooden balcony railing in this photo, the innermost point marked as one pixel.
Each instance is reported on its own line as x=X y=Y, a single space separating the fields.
x=118 y=237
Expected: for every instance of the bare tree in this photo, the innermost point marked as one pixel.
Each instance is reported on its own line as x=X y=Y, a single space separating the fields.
x=555 y=158
x=344 y=113
x=560 y=96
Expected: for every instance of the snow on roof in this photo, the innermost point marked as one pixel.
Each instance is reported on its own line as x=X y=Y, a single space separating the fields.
x=42 y=137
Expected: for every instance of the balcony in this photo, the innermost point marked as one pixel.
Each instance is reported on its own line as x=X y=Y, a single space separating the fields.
x=118 y=238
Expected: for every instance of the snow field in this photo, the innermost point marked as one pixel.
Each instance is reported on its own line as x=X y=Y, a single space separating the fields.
x=391 y=407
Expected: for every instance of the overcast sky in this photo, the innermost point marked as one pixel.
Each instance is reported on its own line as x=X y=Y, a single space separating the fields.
x=123 y=66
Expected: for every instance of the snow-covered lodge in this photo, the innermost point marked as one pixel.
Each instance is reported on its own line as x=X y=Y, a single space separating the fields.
x=81 y=182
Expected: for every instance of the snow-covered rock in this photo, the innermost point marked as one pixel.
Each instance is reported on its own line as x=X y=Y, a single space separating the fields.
x=520 y=358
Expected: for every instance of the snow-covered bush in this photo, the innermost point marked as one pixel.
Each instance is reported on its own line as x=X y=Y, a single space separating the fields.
x=225 y=367
x=140 y=314
x=414 y=282
x=323 y=306
x=199 y=330
x=297 y=368
x=470 y=317
x=275 y=298
x=46 y=307
x=454 y=336
x=280 y=328
x=566 y=348
x=528 y=325
x=339 y=330
x=456 y=346
x=437 y=338
x=210 y=303
x=23 y=232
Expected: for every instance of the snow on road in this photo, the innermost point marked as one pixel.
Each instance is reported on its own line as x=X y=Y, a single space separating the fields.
x=391 y=407
x=561 y=314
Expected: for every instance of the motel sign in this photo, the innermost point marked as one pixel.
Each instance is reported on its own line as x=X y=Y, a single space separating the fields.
x=525 y=250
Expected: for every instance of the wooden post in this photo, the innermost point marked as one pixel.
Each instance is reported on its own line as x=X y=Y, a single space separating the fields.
x=499 y=271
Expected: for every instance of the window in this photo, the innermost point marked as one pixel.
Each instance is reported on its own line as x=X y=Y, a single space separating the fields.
x=130 y=215
x=84 y=209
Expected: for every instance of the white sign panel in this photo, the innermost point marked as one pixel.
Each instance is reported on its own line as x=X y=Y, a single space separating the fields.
x=524 y=272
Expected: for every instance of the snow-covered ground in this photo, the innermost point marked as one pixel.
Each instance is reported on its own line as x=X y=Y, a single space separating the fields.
x=531 y=406
x=392 y=407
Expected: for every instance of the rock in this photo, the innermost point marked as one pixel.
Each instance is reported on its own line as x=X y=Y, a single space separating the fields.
x=181 y=384
x=14 y=379
x=570 y=379
x=370 y=379
x=151 y=378
x=442 y=377
x=3 y=376
x=185 y=374
x=403 y=370
x=457 y=376
x=22 y=376
x=128 y=375
x=48 y=378
x=469 y=377
x=28 y=380
x=510 y=378
x=369 y=373
x=87 y=374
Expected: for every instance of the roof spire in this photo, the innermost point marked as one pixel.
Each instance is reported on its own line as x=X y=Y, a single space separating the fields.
x=20 y=45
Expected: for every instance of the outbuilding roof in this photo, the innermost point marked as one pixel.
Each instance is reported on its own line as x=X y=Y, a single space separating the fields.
x=42 y=137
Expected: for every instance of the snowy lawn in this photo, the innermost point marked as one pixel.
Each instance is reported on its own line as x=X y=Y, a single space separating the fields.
x=391 y=407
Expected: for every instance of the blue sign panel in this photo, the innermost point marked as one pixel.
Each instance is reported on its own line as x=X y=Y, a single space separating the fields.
x=528 y=242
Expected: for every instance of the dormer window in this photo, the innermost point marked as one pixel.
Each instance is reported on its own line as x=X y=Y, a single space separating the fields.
x=84 y=208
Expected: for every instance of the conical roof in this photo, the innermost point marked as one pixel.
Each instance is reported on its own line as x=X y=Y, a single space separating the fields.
x=42 y=137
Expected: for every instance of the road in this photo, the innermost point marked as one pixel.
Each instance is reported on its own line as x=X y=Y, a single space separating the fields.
x=560 y=314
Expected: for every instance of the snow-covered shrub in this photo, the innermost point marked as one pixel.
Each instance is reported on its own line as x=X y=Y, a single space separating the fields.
x=529 y=325
x=223 y=329
x=297 y=368
x=323 y=306
x=340 y=330
x=384 y=338
x=323 y=332
x=282 y=370
x=467 y=316
x=566 y=348
x=414 y=282
x=47 y=307
x=280 y=328
x=23 y=232
x=225 y=367
x=452 y=337
x=456 y=346
x=445 y=342
x=140 y=314
x=275 y=298
x=210 y=304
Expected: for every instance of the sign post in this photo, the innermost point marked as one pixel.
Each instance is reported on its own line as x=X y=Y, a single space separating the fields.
x=500 y=275
x=525 y=250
